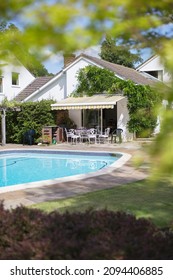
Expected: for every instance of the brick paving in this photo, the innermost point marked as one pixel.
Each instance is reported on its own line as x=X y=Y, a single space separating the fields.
x=125 y=174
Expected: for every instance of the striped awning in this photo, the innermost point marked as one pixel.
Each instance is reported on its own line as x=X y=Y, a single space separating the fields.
x=100 y=101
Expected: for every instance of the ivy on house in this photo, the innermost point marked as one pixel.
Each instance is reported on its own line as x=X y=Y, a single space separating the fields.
x=142 y=103
x=94 y=80
x=142 y=99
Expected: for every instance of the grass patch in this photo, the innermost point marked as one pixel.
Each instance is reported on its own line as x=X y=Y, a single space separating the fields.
x=143 y=199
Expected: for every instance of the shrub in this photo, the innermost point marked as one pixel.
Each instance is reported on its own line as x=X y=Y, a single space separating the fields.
x=33 y=115
x=32 y=234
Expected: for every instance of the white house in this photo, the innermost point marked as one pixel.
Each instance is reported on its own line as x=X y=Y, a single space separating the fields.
x=154 y=67
x=59 y=88
x=13 y=79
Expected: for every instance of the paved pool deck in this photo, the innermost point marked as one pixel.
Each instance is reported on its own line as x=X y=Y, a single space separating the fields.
x=122 y=175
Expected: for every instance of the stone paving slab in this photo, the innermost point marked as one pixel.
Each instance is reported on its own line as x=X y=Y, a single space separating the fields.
x=125 y=174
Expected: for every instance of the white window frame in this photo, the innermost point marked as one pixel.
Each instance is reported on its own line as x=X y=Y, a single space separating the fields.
x=1 y=84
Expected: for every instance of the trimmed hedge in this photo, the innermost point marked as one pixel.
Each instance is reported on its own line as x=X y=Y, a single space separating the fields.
x=31 y=234
x=32 y=115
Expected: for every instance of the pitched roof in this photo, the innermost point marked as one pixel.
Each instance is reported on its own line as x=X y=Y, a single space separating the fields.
x=120 y=71
x=123 y=72
x=146 y=61
x=32 y=87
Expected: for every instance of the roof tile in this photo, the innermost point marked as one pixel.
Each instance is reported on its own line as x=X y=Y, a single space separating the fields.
x=123 y=72
x=32 y=87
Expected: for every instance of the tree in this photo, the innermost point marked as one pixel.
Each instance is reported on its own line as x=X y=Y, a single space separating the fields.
x=119 y=54
x=92 y=80
x=67 y=26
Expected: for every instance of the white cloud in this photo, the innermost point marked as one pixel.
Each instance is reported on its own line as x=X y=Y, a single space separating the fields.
x=55 y=62
x=92 y=51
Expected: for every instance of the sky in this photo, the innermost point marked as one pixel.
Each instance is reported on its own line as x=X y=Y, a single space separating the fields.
x=56 y=62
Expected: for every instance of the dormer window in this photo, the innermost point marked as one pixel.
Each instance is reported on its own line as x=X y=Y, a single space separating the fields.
x=15 y=79
x=157 y=74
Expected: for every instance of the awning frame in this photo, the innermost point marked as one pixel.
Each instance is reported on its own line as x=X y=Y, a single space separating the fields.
x=82 y=106
x=79 y=103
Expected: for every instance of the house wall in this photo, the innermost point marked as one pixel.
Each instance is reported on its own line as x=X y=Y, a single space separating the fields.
x=122 y=119
x=155 y=64
x=63 y=85
x=25 y=77
x=55 y=91
x=71 y=73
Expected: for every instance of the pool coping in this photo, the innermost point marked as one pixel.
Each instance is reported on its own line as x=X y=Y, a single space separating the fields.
x=117 y=164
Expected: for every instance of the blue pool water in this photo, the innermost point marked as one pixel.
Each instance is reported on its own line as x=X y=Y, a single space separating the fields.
x=25 y=167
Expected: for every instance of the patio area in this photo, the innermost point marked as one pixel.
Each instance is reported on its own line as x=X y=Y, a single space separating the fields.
x=125 y=174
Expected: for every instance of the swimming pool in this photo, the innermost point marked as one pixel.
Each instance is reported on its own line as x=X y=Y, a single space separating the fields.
x=23 y=167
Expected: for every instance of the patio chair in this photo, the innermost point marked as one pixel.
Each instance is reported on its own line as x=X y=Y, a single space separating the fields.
x=105 y=136
x=69 y=133
x=83 y=134
x=76 y=137
x=117 y=133
x=28 y=137
x=92 y=135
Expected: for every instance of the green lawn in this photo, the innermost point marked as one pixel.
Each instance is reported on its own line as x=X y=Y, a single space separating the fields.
x=143 y=199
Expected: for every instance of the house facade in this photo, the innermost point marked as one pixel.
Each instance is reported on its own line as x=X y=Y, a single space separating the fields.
x=60 y=87
x=154 y=67
x=13 y=79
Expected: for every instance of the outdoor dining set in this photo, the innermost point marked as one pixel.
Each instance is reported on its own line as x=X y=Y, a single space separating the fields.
x=91 y=135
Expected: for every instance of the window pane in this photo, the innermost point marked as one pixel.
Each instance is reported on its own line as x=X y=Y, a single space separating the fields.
x=15 y=78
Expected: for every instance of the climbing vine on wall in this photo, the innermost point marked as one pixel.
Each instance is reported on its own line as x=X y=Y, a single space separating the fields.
x=93 y=80
x=142 y=103
x=142 y=99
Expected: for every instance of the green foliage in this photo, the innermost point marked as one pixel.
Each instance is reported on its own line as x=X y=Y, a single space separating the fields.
x=93 y=80
x=31 y=62
x=162 y=149
x=119 y=54
x=6 y=104
x=142 y=103
x=33 y=115
x=142 y=100
x=70 y=25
